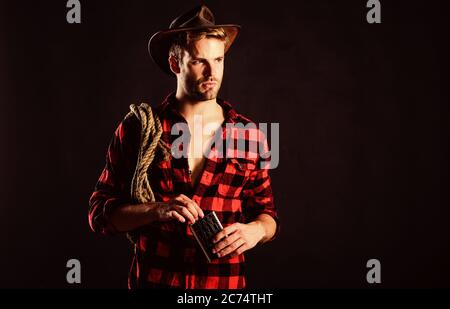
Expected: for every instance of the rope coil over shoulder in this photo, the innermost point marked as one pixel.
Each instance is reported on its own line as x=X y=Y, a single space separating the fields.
x=150 y=143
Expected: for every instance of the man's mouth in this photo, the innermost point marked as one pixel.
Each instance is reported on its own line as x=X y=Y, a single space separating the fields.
x=208 y=84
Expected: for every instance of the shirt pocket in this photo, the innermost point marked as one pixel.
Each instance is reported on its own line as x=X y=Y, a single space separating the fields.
x=236 y=174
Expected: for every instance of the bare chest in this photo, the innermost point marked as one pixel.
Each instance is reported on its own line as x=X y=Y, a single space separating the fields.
x=200 y=143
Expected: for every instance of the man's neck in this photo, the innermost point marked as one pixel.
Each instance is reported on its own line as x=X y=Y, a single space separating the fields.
x=188 y=108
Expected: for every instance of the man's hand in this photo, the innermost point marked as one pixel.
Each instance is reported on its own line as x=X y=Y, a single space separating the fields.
x=237 y=238
x=179 y=208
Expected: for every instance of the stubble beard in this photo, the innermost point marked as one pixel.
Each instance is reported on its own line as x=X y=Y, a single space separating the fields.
x=196 y=92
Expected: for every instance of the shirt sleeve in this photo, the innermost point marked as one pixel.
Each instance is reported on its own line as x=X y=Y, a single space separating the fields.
x=258 y=196
x=114 y=184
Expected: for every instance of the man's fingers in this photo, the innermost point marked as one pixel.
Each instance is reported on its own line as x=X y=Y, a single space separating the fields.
x=180 y=200
x=177 y=216
x=225 y=232
x=231 y=248
x=239 y=250
x=185 y=199
x=186 y=213
x=226 y=242
x=191 y=205
x=199 y=211
x=182 y=196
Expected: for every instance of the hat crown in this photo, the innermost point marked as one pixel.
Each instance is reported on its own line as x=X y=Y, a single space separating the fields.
x=200 y=16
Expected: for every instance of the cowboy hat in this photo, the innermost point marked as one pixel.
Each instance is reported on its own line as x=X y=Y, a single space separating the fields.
x=196 y=19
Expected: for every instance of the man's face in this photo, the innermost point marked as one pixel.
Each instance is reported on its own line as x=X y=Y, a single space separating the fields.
x=201 y=69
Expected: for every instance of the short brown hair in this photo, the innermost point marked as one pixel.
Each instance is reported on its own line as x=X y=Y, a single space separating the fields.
x=184 y=40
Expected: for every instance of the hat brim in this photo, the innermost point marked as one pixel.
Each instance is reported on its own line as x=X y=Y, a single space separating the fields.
x=160 y=43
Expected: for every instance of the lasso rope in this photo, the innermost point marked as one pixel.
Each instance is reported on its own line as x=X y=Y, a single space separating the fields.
x=151 y=131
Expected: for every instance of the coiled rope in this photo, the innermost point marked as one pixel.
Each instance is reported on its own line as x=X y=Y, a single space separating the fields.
x=151 y=131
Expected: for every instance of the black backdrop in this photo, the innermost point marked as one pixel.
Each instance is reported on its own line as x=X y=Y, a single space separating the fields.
x=361 y=112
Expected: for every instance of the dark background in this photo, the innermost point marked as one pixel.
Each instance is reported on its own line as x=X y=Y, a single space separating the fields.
x=361 y=107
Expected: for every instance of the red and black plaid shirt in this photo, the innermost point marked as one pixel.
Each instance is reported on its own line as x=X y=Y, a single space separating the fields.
x=237 y=189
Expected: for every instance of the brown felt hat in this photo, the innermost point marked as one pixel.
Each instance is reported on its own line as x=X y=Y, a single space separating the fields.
x=196 y=19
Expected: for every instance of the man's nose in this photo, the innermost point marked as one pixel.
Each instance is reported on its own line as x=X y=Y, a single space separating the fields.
x=210 y=69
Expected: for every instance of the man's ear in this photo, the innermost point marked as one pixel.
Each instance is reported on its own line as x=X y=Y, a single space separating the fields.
x=174 y=64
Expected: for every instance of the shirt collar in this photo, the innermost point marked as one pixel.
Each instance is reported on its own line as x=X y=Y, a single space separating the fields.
x=169 y=104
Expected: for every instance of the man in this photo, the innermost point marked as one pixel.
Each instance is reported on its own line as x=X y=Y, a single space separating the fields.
x=237 y=189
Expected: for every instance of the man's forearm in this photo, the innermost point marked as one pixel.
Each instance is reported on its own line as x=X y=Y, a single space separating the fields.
x=267 y=225
x=129 y=217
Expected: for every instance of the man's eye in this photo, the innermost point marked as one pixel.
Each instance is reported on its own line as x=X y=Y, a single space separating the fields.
x=219 y=59
x=195 y=62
